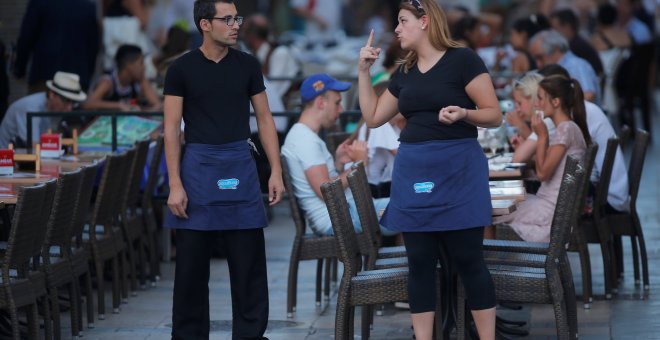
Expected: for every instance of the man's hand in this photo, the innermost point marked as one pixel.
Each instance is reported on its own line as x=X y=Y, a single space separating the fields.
x=275 y=188
x=178 y=201
x=358 y=151
x=342 y=154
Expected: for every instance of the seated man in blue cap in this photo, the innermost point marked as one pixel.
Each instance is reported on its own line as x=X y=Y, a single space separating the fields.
x=311 y=164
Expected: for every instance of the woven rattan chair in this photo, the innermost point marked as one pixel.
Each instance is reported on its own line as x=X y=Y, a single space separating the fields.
x=81 y=249
x=56 y=250
x=131 y=223
x=516 y=281
x=20 y=285
x=357 y=288
x=628 y=223
x=594 y=228
x=377 y=257
x=305 y=247
x=148 y=215
x=102 y=233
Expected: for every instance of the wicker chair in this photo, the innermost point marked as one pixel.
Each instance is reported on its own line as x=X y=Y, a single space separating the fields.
x=20 y=285
x=357 y=288
x=305 y=247
x=594 y=228
x=56 y=250
x=131 y=223
x=377 y=257
x=516 y=281
x=81 y=249
x=628 y=223
x=105 y=240
x=148 y=215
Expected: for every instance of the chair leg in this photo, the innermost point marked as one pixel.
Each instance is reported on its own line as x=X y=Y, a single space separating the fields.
x=642 y=251
x=326 y=281
x=334 y=270
x=559 y=307
x=118 y=278
x=124 y=272
x=618 y=257
x=367 y=311
x=605 y=250
x=89 y=300
x=74 y=297
x=461 y=312
x=100 y=288
x=48 y=325
x=33 y=323
x=319 y=280
x=570 y=301
x=55 y=312
x=343 y=313
x=635 y=255
x=585 y=263
x=292 y=285
x=13 y=314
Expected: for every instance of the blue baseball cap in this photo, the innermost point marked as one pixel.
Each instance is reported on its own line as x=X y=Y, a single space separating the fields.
x=318 y=84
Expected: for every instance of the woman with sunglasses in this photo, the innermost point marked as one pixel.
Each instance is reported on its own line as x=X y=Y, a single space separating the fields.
x=440 y=194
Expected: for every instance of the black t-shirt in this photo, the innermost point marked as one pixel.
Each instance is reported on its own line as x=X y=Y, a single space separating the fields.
x=216 y=96
x=422 y=95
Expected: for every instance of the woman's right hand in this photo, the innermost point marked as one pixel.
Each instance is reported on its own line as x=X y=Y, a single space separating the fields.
x=368 y=54
x=538 y=126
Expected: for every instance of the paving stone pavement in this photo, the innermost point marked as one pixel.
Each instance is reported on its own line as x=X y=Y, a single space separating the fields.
x=632 y=314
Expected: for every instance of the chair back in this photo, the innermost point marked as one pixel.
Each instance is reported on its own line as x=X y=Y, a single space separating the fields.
x=44 y=216
x=154 y=165
x=24 y=230
x=636 y=165
x=83 y=202
x=588 y=161
x=342 y=225
x=603 y=187
x=60 y=224
x=357 y=180
x=108 y=195
x=135 y=173
x=566 y=211
x=296 y=211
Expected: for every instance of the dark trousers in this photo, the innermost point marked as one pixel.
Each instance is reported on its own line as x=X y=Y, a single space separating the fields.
x=464 y=250
x=246 y=258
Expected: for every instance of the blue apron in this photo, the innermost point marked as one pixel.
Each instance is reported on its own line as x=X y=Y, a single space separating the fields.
x=439 y=185
x=223 y=189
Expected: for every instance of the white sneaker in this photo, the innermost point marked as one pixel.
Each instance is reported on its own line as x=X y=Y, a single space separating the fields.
x=401 y=305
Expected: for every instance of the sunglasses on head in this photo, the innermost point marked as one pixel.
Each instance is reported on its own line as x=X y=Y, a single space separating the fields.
x=418 y=6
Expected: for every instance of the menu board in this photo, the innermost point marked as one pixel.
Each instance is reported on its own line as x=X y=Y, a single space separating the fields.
x=129 y=130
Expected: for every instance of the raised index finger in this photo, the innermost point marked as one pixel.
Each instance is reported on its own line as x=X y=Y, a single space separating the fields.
x=371 y=38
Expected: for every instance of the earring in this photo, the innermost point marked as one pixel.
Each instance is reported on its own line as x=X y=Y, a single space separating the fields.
x=423 y=27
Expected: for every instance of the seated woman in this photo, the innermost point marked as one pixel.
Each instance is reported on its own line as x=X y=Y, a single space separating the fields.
x=524 y=97
x=562 y=100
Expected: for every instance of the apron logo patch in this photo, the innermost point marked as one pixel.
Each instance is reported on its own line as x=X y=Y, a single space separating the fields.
x=228 y=184
x=423 y=187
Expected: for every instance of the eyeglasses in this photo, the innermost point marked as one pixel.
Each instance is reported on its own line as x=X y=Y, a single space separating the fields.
x=229 y=20
x=418 y=6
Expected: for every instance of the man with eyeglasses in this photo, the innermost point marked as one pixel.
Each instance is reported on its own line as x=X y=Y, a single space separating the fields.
x=63 y=92
x=214 y=188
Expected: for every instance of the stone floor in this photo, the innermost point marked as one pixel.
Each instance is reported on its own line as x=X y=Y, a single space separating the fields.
x=632 y=314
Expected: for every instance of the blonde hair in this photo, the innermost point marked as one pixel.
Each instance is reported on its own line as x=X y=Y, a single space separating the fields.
x=439 y=34
x=528 y=85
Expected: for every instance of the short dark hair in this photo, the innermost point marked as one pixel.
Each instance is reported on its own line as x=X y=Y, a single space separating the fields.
x=553 y=70
x=205 y=9
x=607 y=14
x=566 y=17
x=531 y=24
x=127 y=54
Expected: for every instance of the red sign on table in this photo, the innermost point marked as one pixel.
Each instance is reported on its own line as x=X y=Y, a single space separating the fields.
x=51 y=145
x=6 y=162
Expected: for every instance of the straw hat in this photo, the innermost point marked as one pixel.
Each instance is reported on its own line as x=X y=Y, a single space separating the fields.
x=67 y=85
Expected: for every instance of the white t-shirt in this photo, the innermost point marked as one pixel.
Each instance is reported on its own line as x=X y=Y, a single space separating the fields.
x=282 y=64
x=275 y=105
x=303 y=149
x=329 y=10
x=600 y=131
x=382 y=140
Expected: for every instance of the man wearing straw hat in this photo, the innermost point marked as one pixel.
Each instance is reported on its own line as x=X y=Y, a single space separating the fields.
x=63 y=91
